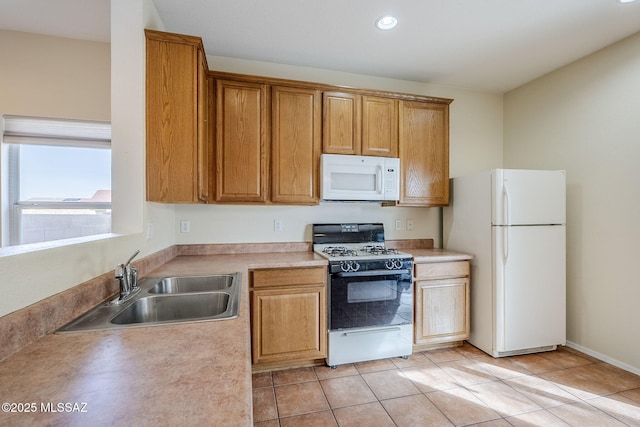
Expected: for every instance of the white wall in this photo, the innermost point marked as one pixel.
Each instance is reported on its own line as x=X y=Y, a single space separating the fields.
x=475 y=144
x=54 y=76
x=241 y=224
x=584 y=118
x=39 y=87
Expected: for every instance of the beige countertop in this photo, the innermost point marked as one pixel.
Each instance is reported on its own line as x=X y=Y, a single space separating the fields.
x=438 y=255
x=183 y=374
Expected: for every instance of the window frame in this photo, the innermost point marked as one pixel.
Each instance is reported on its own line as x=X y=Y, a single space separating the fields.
x=50 y=132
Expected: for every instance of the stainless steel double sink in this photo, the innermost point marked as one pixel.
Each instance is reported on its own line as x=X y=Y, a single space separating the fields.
x=167 y=300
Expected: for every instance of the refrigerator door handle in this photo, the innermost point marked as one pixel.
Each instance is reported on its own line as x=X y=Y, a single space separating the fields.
x=505 y=204
x=505 y=235
x=505 y=245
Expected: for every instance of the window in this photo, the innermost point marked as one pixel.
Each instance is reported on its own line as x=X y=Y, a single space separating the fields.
x=59 y=178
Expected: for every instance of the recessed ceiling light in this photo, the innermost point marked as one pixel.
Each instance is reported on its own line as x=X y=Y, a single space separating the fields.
x=626 y=1
x=386 y=22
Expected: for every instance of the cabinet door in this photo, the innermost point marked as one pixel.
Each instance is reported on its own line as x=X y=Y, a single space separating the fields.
x=289 y=324
x=204 y=146
x=424 y=153
x=172 y=114
x=442 y=311
x=241 y=142
x=295 y=145
x=379 y=126
x=341 y=123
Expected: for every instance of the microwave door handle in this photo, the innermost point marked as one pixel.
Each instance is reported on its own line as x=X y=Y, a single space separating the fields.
x=379 y=180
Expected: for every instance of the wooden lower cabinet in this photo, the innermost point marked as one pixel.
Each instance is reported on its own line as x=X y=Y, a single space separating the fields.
x=441 y=303
x=288 y=315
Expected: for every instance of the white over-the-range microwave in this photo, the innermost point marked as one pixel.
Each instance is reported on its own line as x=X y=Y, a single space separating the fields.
x=359 y=178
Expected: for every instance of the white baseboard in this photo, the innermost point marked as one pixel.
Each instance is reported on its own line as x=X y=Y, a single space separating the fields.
x=604 y=358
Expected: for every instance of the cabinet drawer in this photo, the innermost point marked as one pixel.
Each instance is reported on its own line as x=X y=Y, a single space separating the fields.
x=438 y=270
x=288 y=277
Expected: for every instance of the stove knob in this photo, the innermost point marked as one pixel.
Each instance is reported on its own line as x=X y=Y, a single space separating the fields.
x=397 y=264
x=389 y=264
x=355 y=266
x=345 y=266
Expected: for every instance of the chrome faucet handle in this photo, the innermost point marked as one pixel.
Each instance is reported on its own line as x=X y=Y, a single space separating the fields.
x=121 y=275
x=128 y=277
x=119 y=271
x=134 y=278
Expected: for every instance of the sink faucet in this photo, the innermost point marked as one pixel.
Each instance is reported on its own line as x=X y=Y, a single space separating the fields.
x=128 y=277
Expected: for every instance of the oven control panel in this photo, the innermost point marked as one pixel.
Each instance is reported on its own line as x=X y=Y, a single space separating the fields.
x=381 y=265
x=349 y=265
x=393 y=264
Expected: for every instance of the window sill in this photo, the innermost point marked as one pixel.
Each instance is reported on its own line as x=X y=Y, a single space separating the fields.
x=9 y=251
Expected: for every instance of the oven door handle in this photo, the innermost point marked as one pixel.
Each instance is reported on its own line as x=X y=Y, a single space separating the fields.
x=374 y=331
x=371 y=273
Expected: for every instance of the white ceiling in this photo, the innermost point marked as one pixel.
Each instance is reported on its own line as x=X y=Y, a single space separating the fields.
x=493 y=45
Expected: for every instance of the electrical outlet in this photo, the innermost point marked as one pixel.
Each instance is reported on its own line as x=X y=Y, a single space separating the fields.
x=398 y=225
x=409 y=224
x=149 y=230
x=277 y=225
x=185 y=226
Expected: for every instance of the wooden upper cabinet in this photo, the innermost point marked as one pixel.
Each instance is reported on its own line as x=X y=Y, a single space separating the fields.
x=360 y=124
x=379 y=126
x=229 y=138
x=341 y=123
x=424 y=153
x=241 y=142
x=177 y=149
x=295 y=145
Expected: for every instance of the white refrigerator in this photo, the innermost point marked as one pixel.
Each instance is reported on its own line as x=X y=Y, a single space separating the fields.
x=514 y=222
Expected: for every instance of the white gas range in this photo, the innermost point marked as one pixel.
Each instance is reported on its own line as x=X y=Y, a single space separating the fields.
x=370 y=293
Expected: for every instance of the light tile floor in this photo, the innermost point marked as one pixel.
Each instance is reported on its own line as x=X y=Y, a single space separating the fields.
x=451 y=387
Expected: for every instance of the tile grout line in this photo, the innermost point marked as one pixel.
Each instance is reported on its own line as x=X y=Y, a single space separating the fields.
x=333 y=415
